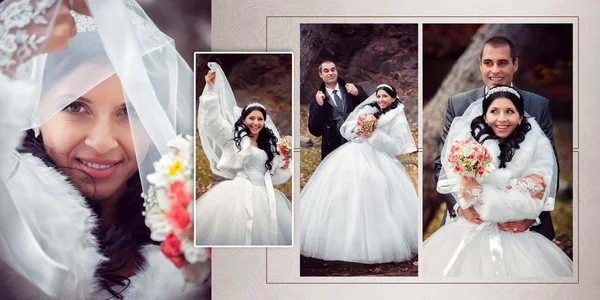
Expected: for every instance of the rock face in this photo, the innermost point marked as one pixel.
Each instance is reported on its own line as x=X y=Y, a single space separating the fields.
x=263 y=78
x=365 y=54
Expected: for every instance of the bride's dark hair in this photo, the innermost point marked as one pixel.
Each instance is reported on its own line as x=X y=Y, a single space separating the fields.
x=390 y=90
x=126 y=232
x=481 y=131
x=267 y=141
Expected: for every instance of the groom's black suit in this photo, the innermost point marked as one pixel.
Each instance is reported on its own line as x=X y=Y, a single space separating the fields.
x=535 y=106
x=325 y=120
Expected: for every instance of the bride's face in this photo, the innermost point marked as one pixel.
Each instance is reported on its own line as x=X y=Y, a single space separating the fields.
x=503 y=117
x=255 y=121
x=92 y=135
x=384 y=99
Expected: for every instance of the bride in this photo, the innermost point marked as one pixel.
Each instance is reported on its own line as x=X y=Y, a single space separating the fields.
x=241 y=145
x=82 y=121
x=360 y=205
x=521 y=185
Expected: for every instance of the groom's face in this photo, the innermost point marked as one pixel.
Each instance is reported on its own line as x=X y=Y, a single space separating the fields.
x=497 y=66
x=328 y=73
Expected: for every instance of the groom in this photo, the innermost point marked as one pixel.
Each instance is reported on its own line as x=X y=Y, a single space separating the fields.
x=332 y=104
x=498 y=63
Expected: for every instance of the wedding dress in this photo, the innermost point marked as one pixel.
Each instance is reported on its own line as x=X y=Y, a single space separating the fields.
x=360 y=204
x=48 y=249
x=245 y=210
x=462 y=248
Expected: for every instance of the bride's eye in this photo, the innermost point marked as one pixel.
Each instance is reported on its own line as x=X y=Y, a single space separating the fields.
x=75 y=107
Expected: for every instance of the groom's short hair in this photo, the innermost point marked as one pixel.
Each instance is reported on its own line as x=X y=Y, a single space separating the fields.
x=497 y=42
x=321 y=64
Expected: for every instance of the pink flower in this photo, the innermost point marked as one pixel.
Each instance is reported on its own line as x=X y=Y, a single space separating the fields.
x=178 y=217
x=457 y=168
x=170 y=247
x=480 y=157
x=479 y=167
x=475 y=149
x=179 y=193
x=487 y=155
x=472 y=157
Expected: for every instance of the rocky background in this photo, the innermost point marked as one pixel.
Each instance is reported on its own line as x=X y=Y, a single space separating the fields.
x=451 y=65
x=262 y=78
x=367 y=55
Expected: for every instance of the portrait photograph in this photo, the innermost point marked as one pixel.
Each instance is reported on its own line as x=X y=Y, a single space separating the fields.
x=244 y=149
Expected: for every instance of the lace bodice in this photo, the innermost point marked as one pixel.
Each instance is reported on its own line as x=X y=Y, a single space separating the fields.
x=254 y=168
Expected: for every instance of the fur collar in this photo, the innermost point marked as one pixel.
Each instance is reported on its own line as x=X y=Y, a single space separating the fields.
x=385 y=118
x=522 y=155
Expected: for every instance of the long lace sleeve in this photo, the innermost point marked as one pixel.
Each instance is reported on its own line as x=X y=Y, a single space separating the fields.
x=281 y=175
x=211 y=121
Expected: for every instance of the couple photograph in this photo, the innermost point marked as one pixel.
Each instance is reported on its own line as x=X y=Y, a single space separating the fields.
x=497 y=165
x=359 y=204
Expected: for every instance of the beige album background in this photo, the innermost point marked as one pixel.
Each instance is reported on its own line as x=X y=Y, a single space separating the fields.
x=270 y=25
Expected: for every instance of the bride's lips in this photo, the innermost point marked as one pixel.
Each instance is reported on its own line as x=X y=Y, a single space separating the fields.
x=98 y=168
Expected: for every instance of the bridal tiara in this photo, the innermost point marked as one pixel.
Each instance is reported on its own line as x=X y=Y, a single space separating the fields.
x=254 y=104
x=84 y=23
x=503 y=89
x=385 y=85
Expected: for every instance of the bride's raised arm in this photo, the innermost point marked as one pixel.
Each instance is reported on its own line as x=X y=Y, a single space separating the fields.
x=210 y=119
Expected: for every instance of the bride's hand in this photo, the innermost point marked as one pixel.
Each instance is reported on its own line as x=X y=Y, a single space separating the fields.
x=287 y=160
x=469 y=185
x=64 y=25
x=210 y=78
x=539 y=180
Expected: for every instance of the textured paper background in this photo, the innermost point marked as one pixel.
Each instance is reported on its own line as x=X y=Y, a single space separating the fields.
x=274 y=26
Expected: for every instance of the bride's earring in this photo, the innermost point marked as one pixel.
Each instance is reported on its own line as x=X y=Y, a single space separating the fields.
x=36 y=131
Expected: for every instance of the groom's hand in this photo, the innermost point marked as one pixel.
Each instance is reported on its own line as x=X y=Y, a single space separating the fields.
x=516 y=226
x=320 y=97
x=351 y=89
x=470 y=214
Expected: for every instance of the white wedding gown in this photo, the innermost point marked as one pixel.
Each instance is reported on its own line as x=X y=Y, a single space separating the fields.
x=241 y=211
x=462 y=248
x=360 y=205
x=224 y=212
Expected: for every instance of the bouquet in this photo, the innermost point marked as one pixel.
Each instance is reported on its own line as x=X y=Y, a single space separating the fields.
x=470 y=159
x=367 y=123
x=169 y=208
x=284 y=145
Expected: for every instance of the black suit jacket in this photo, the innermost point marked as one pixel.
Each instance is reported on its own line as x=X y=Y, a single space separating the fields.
x=320 y=119
x=535 y=106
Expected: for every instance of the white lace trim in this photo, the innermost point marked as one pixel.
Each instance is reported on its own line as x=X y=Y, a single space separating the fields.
x=17 y=43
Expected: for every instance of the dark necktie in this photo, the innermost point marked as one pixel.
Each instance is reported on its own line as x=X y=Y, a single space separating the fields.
x=337 y=100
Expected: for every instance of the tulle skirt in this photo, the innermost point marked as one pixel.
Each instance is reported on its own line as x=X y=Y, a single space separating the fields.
x=237 y=213
x=359 y=206
x=463 y=248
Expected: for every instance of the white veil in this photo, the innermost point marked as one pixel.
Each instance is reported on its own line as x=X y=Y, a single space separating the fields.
x=120 y=39
x=460 y=130
x=230 y=112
